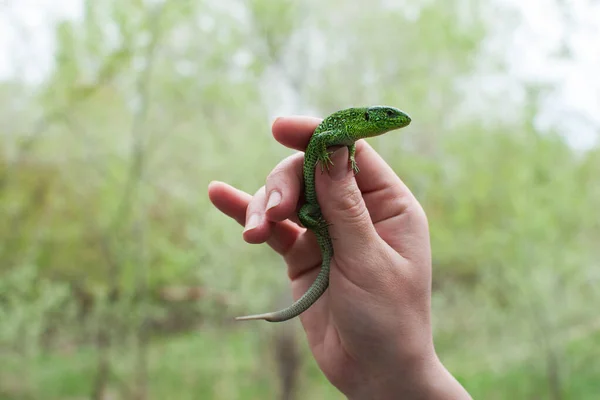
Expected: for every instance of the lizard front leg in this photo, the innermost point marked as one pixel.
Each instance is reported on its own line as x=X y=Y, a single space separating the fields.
x=322 y=141
x=331 y=138
x=352 y=153
x=325 y=159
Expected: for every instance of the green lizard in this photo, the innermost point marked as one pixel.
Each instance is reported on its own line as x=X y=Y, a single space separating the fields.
x=343 y=128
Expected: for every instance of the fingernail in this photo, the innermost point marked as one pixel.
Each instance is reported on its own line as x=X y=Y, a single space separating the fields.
x=340 y=168
x=252 y=223
x=274 y=199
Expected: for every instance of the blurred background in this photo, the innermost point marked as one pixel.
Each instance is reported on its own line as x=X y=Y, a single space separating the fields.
x=119 y=280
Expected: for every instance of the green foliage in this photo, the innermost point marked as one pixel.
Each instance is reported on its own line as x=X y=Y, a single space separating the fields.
x=103 y=175
x=27 y=305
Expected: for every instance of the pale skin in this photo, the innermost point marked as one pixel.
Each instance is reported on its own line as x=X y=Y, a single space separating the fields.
x=370 y=333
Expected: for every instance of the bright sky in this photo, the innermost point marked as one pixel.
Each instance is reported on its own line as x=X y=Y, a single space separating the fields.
x=26 y=44
x=578 y=91
x=578 y=94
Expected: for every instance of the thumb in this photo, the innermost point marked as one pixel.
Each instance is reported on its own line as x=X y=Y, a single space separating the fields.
x=343 y=206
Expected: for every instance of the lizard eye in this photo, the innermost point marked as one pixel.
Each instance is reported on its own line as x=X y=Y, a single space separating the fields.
x=367 y=116
x=390 y=113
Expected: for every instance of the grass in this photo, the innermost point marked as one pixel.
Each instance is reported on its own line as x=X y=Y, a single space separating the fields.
x=236 y=364
x=207 y=364
x=578 y=375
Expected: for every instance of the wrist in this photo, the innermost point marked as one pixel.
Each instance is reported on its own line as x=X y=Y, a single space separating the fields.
x=426 y=379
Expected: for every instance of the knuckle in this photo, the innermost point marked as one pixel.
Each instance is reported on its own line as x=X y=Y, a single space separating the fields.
x=256 y=200
x=418 y=212
x=283 y=172
x=276 y=176
x=259 y=192
x=351 y=205
x=409 y=205
x=403 y=204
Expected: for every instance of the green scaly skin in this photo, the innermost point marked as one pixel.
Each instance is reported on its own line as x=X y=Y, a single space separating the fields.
x=342 y=128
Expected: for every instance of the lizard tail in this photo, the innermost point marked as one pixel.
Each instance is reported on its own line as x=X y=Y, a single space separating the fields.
x=266 y=317
x=302 y=304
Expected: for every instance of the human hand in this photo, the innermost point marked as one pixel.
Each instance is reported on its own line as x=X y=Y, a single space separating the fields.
x=370 y=333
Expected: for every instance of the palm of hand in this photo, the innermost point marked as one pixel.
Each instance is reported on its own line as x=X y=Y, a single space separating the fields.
x=334 y=323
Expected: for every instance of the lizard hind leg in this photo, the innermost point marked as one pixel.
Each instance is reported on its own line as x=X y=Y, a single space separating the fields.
x=311 y=218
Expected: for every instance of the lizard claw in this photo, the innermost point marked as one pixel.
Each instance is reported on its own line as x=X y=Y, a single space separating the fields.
x=322 y=223
x=326 y=162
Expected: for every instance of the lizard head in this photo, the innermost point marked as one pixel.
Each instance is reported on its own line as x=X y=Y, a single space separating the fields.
x=381 y=119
